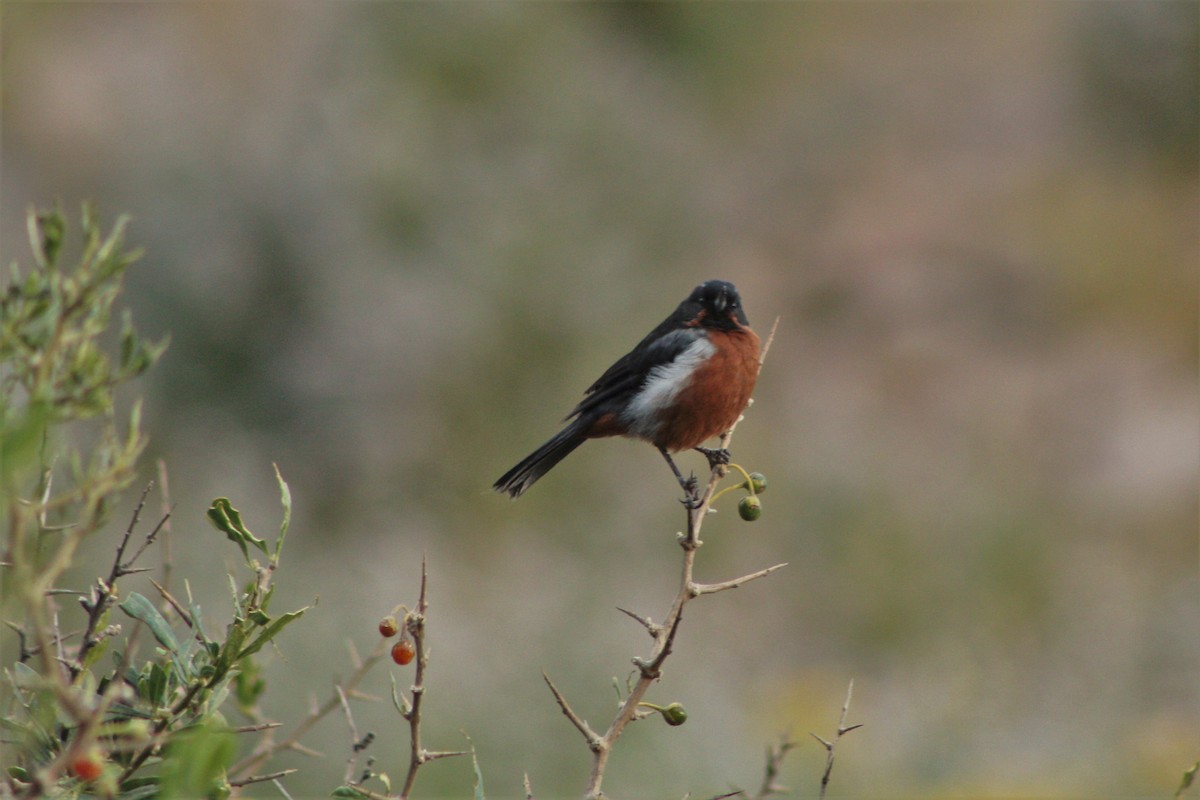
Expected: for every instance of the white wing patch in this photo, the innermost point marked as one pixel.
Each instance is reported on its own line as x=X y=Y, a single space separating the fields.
x=662 y=385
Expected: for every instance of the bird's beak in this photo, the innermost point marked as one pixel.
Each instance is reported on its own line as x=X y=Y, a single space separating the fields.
x=719 y=303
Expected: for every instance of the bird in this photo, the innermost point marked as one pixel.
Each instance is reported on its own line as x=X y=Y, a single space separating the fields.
x=686 y=382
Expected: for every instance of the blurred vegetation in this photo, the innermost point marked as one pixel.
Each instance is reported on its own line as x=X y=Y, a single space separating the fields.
x=153 y=724
x=395 y=241
x=73 y=724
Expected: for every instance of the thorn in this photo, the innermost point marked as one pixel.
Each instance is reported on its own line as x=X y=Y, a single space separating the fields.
x=646 y=622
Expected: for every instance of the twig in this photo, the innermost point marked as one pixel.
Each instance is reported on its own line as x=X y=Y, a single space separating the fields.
x=650 y=669
x=775 y=756
x=592 y=738
x=183 y=613
x=414 y=623
x=104 y=592
x=165 y=492
x=359 y=744
x=762 y=356
x=263 y=778
x=647 y=623
x=712 y=588
x=842 y=730
x=150 y=538
x=770 y=785
x=137 y=512
x=262 y=726
x=268 y=747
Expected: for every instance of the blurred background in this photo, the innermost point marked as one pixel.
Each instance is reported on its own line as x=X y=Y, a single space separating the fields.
x=392 y=243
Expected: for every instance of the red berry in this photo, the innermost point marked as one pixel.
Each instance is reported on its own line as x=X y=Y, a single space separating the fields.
x=87 y=767
x=388 y=627
x=403 y=652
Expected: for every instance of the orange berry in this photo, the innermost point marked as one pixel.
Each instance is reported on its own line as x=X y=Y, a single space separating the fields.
x=87 y=767
x=403 y=652
x=388 y=627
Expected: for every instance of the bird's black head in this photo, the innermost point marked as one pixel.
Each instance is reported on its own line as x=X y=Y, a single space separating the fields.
x=720 y=303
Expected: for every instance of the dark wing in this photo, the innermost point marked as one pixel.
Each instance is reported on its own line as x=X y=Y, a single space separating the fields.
x=624 y=378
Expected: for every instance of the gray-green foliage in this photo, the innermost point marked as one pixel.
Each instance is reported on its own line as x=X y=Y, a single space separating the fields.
x=147 y=720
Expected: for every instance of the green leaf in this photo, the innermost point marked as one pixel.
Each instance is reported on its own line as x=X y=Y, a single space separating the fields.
x=270 y=631
x=95 y=654
x=142 y=609
x=234 y=636
x=248 y=686
x=141 y=792
x=109 y=259
x=129 y=342
x=99 y=649
x=156 y=685
x=26 y=677
x=398 y=699
x=478 y=772
x=52 y=227
x=195 y=762
x=347 y=791
x=285 y=498
x=228 y=520
x=1189 y=775
x=21 y=440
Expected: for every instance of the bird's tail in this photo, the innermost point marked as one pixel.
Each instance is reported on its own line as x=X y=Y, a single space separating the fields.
x=540 y=461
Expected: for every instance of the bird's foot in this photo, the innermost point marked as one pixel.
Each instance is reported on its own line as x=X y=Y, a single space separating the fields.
x=691 y=491
x=716 y=457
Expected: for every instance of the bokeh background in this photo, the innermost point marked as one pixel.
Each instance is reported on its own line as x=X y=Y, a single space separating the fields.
x=393 y=242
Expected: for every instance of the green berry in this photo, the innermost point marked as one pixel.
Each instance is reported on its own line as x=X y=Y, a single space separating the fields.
x=674 y=714
x=750 y=508
x=758 y=482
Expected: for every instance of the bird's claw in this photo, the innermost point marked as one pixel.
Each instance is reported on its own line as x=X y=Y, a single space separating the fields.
x=716 y=457
x=691 y=490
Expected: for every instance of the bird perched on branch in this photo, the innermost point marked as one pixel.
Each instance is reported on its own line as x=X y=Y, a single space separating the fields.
x=683 y=384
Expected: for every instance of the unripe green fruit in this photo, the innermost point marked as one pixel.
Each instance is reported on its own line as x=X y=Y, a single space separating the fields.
x=750 y=508
x=674 y=714
x=758 y=481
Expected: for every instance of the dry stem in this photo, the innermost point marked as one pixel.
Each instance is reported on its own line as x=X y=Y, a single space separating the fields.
x=414 y=622
x=831 y=745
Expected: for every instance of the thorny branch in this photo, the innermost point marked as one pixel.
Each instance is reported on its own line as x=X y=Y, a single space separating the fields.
x=775 y=756
x=415 y=624
x=770 y=784
x=650 y=669
x=268 y=747
x=831 y=745
x=102 y=595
